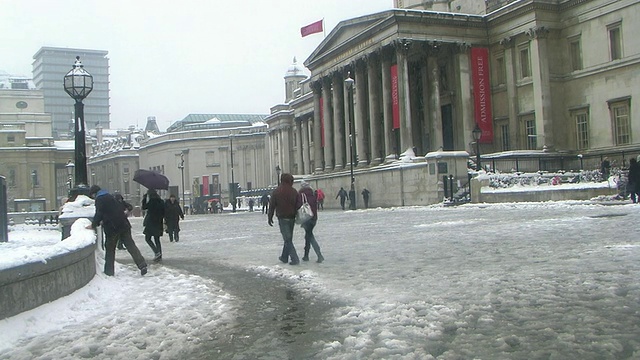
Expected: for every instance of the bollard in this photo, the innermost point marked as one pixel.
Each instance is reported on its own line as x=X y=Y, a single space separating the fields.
x=4 y=223
x=451 y=186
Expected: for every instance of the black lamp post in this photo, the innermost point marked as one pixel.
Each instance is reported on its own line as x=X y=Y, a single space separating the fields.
x=34 y=181
x=233 y=179
x=181 y=167
x=78 y=83
x=70 y=165
x=278 y=170
x=352 y=192
x=477 y=134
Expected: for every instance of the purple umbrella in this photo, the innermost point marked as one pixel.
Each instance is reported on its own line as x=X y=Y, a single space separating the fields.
x=151 y=179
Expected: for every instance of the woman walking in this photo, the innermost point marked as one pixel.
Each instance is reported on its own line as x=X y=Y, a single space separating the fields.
x=172 y=215
x=309 y=238
x=153 y=204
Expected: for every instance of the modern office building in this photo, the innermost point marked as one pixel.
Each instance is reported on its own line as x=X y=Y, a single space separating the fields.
x=50 y=65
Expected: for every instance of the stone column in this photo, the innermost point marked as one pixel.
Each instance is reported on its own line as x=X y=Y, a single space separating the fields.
x=306 y=155
x=375 y=121
x=338 y=120
x=317 y=127
x=402 y=52
x=541 y=84
x=464 y=99
x=361 y=156
x=297 y=129
x=512 y=95
x=328 y=123
x=434 y=99
x=387 y=111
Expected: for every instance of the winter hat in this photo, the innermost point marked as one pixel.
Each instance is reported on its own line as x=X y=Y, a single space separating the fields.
x=94 y=189
x=304 y=184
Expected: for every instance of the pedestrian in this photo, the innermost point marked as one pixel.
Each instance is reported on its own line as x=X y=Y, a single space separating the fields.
x=342 y=194
x=633 y=185
x=264 y=201
x=172 y=215
x=283 y=205
x=365 y=197
x=153 y=204
x=605 y=168
x=309 y=238
x=116 y=227
x=251 y=203
x=320 y=198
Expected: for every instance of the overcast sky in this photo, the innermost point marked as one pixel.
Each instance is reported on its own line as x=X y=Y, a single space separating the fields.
x=170 y=59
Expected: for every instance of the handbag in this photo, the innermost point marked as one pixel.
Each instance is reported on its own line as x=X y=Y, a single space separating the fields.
x=304 y=213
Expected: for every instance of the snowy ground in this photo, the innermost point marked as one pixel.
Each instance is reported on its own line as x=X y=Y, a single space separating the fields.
x=501 y=281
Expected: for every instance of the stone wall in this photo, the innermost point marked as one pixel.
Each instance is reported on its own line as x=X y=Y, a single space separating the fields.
x=28 y=286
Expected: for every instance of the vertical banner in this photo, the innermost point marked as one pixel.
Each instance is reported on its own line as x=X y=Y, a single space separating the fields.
x=322 y=122
x=395 y=101
x=215 y=184
x=195 y=187
x=205 y=185
x=482 y=92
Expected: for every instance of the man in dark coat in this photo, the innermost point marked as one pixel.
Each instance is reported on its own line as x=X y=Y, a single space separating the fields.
x=283 y=204
x=265 y=203
x=111 y=214
x=342 y=194
x=365 y=197
x=172 y=215
x=153 y=204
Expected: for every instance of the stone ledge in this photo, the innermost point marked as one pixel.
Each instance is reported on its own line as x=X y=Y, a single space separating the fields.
x=28 y=286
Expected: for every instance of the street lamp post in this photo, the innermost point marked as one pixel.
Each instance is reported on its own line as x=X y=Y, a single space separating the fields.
x=477 y=134
x=78 y=83
x=34 y=180
x=352 y=192
x=70 y=165
x=233 y=179
x=278 y=170
x=181 y=167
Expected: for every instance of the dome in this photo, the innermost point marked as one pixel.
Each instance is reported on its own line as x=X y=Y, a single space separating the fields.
x=295 y=69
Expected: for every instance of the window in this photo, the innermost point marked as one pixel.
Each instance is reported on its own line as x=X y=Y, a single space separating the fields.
x=525 y=64
x=615 y=41
x=620 y=122
x=500 y=76
x=529 y=123
x=504 y=137
x=210 y=158
x=581 y=118
x=11 y=138
x=575 y=53
x=11 y=181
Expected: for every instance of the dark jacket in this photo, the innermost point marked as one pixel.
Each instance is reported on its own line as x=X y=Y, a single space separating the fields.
x=110 y=212
x=154 y=216
x=283 y=200
x=172 y=212
x=634 y=175
x=311 y=199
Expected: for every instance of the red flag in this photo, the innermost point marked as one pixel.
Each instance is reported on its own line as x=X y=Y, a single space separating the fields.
x=312 y=28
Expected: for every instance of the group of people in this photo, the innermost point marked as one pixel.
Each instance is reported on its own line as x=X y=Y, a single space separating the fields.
x=344 y=196
x=112 y=214
x=284 y=203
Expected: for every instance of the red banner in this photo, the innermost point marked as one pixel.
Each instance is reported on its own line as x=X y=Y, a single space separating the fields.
x=395 y=101
x=312 y=28
x=482 y=92
x=321 y=122
x=205 y=185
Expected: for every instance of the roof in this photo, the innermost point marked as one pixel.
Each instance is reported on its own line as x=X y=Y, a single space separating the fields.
x=216 y=120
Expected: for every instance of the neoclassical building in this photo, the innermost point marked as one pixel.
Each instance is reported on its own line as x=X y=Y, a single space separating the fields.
x=551 y=76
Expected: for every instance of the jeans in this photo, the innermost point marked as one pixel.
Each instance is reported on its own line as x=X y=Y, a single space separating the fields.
x=310 y=239
x=286 y=229
x=157 y=247
x=110 y=244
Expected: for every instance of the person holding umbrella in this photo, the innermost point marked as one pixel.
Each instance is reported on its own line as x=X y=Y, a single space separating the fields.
x=154 y=206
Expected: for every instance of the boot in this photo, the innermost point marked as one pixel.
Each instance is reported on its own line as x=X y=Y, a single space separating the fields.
x=320 y=258
x=306 y=255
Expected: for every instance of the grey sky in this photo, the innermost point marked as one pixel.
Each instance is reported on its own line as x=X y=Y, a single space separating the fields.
x=169 y=59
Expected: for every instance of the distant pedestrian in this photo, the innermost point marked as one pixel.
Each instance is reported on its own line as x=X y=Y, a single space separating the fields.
x=605 y=168
x=172 y=215
x=633 y=185
x=365 y=197
x=309 y=238
x=251 y=203
x=116 y=227
x=342 y=194
x=283 y=205
x=320 y=198
x=153 y=204
x=264 y=201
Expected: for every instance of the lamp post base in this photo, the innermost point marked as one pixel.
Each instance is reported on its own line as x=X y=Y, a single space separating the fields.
x=78 y=190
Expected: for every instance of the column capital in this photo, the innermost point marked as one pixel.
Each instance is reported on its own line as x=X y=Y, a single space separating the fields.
x=507 y=42
x=316 y=86
x=434 y=48
x=538 y=32
x=463 y=47
x=403 y=45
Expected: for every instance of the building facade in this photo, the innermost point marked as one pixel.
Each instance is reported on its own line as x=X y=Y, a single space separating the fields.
x=50 y=65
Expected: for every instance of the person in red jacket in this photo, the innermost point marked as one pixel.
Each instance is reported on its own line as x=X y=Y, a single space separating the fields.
x=283 y=205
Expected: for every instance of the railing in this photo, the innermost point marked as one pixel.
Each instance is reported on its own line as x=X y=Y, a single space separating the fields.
x=33 y=217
